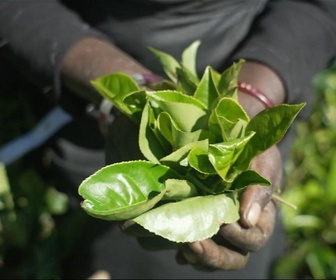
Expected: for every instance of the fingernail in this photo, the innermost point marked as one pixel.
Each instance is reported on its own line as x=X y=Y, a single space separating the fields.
x=253 y=214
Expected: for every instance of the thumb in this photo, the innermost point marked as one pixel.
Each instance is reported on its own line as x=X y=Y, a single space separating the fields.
x=252 y=202
x=255 y=198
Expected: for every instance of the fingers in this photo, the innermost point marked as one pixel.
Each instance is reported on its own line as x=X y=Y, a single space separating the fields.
x=252 y=202
x=231 y=248
x=208 y=255
x=252 y=239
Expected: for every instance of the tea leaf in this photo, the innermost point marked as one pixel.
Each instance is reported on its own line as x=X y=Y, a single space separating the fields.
x=248 y=178
x=189 y=61
x=179 y=189
x=124 y=190
x=224 y=155
x=168 y=63
x=149 y=144
x=206 y=91
x=123 y=92
x=199 y=143
x=191 y=219
x=270 y=126
x=228 y=120
x=176 y=105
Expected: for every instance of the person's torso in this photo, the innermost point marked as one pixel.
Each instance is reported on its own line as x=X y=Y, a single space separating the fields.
x=172 y=25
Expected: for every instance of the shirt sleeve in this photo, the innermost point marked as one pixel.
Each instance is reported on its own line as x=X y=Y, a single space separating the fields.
x=38 y=33
x=296 y=39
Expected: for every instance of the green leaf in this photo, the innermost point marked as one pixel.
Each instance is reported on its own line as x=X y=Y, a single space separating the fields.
x=184 y=138
x=124 y=190
x=179 y=189
x=176 y=159
x=229 y=119
x=330 y=181
x=189 y=60
x=269 y=126
x=206 y=91
x=176 y=104
x=224 y=155
x=176 y=137
x=229 y=78
x=168 y=63
x=149 y=144
x=6 y=198
x=249 y=178
x=198 y=159
x=186 y=85
x=166 y=126
x=198 y=140
x=191 y=219
x=208 y=184
x=123 y=92
x=4 y=182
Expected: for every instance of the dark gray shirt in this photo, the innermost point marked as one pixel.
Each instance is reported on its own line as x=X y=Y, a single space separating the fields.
x=295 y=38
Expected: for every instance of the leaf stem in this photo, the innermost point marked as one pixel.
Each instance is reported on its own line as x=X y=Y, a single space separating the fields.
x=285 y=202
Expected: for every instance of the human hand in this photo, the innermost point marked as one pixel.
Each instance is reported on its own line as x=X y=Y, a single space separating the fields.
x=231 y=247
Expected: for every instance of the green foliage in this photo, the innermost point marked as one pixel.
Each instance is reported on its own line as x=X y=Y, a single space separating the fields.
x=29 y=202
x=28 y=233
x=194 y=133
x=311 y=178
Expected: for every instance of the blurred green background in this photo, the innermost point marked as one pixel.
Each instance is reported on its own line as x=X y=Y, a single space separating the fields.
x=30 y=205
x=311 y=186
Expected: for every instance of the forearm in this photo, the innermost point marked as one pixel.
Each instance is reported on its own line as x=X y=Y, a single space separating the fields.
x=38 y=34
x=91 y=58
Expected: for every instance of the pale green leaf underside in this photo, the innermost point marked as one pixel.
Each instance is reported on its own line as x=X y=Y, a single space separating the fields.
x=191 y=219
x=189 y=60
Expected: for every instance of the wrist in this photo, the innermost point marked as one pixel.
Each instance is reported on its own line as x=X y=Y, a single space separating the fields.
x=259 y=87
x=259 y=95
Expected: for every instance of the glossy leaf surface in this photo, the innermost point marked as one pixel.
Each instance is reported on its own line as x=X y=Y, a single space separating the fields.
x=124 y=190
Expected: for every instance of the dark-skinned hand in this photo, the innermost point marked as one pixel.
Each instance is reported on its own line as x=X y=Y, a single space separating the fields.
x=231 y=247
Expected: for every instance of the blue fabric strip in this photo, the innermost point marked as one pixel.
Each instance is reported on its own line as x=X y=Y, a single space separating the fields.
x=53 y=121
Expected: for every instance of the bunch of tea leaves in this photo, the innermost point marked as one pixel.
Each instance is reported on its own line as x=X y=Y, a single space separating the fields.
x=198 y=143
